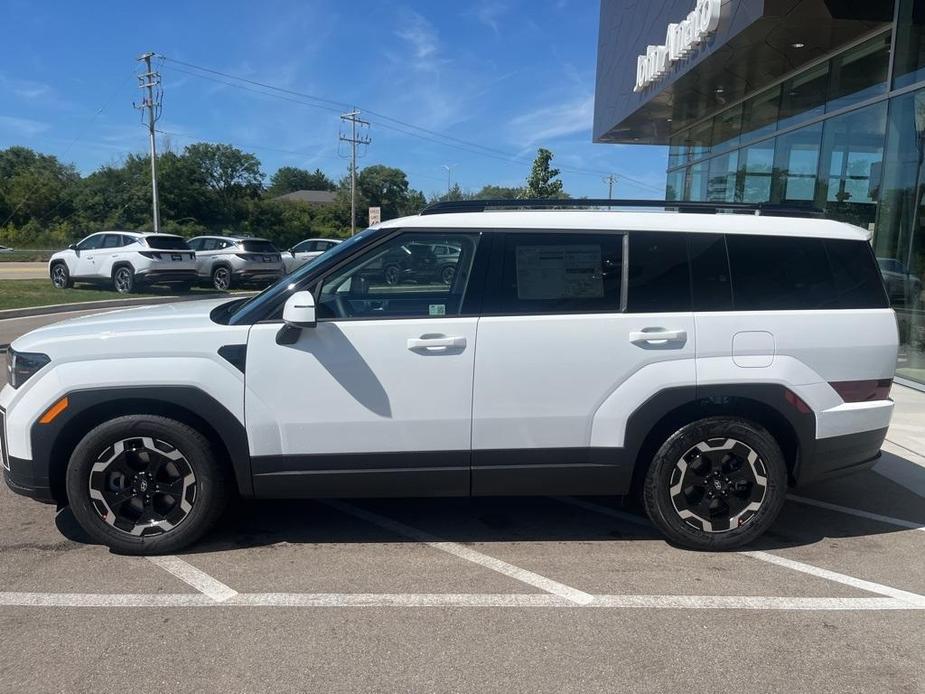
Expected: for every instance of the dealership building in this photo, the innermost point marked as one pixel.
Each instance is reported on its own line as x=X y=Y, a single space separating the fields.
x=798 y=102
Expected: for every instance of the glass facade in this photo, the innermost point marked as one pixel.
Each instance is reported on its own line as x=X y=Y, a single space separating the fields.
x=846 y=135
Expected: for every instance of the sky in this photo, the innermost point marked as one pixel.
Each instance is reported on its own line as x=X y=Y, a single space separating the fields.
x=499 y=77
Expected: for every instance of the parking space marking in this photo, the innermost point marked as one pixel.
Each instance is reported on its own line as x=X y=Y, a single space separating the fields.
x=889 y=520
x=502 y=567
x=455 y=600
x=869 y=586
x=200 y=580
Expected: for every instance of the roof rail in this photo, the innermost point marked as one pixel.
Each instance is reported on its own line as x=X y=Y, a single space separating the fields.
x=761 y=208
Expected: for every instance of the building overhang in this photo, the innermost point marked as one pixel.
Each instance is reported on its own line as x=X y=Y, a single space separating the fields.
x=754 y=44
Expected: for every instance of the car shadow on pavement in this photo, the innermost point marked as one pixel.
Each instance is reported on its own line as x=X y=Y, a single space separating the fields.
x=260 y=523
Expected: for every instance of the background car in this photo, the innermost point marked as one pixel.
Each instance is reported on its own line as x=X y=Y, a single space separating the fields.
x=127 y=260
x=417 y=263
x=226 y=261
x=904 y=288
x=306 y=250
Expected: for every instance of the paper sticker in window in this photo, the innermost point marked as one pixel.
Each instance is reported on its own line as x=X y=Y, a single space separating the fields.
x=560 y=272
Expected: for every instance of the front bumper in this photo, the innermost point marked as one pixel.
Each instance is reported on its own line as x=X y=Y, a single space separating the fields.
x=20 y=479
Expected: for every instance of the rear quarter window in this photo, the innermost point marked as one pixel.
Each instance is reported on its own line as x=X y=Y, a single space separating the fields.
x=792 y=273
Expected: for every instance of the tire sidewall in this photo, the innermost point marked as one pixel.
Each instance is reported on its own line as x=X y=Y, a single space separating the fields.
x=67 y=275
x=215 y=274
x=657 y=497
x=130 y=277
x=210 y=483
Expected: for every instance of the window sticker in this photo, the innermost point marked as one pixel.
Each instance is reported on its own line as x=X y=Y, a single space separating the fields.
x=557 y=272
x=437 y=310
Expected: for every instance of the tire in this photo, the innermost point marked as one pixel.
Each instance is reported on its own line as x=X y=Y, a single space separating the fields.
x=708 y=475
x=61 y=277
x=447 y=273
x=123 y=279
x=221 y=278
x=157 y=486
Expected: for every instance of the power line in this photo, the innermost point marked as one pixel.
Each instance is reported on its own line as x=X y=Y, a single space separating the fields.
x=391 y=123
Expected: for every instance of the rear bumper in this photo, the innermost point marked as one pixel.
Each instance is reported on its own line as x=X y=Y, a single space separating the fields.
x=257 y=274
x=155 y=276
x=836 y=456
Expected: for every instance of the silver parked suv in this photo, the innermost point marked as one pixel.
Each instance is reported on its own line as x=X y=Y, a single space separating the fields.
x=226 y=261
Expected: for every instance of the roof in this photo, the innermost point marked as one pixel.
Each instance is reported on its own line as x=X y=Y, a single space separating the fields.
x=229 y=238
x=315 y=197
x=138 y=234
x=606 y=220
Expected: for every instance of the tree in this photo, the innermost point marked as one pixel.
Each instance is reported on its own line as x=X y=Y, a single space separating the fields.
x=542 y=182
x=499 y=193
x=226 y=170
x=385 y=187
x=288 y=179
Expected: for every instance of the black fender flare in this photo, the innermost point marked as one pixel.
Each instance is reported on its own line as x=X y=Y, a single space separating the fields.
x=52 y=442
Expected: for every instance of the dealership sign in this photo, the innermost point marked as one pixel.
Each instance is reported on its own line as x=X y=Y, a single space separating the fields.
x=681 y=40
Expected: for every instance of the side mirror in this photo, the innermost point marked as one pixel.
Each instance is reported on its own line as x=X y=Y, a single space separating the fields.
x=299 y=310
x=73 y=246
x=298 y=313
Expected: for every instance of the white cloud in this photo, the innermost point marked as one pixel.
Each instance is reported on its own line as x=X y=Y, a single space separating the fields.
x=489 y=13
x=551 y=122
x=420 y=35
x=22 y=127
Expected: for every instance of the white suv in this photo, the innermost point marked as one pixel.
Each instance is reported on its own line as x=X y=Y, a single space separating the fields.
x=228 y=261
x=306 y=250
x=126 y=260
x=705 y=362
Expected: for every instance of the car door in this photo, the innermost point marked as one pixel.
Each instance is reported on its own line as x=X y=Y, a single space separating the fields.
x=376 y=399
x=109 y=252
x=566 y=353
x=87 y=251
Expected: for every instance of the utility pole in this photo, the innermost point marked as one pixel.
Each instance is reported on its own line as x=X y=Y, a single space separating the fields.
x=354 y=120
x=610 y=180
x=449 y=168
x=150 y=82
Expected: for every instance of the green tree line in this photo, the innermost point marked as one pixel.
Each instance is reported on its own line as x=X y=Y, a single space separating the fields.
x=208 y=188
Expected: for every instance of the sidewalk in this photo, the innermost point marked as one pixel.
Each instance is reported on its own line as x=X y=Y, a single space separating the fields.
x=906 y=441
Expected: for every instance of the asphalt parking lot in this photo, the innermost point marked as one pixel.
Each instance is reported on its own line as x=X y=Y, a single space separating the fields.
x=545 y=594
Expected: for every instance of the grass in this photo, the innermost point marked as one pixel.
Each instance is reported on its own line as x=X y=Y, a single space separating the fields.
x=28 y=293
x=26 y=256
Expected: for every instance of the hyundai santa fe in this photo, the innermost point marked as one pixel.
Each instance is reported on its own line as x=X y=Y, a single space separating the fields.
x=704 y=362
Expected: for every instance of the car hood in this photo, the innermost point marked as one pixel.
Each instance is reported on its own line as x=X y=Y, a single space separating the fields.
x=165 y=320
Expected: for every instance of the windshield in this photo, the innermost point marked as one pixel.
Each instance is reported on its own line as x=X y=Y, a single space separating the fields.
x=249 y=310
x=258 y=246
x=167 y=243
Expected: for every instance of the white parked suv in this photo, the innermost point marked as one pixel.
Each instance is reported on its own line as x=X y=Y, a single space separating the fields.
x=306 y=250
x=125 y=260
x=705 y=362
x=228 y=261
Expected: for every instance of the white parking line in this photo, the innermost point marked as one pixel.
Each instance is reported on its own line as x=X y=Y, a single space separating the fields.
x=455 y=600
x=871 y=587
x=200 y=580
x=889 y=520
x=502 y=567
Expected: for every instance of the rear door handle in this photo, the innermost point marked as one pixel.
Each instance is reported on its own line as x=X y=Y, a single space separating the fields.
x=436 y=342
x=651 y=336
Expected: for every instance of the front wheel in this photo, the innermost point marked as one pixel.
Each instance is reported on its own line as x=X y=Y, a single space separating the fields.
x=221 y=279
x=60 y=277
x=716 y=484
x=144 y=484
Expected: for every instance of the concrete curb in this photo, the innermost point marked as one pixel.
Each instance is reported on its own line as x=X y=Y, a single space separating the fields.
x=109 y=303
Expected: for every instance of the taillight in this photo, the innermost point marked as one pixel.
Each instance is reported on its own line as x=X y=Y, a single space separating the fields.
x=245 y=256
x=150 y=254
x=863 y=391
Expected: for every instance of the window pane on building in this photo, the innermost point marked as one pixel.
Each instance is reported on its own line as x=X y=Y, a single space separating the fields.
x=909 y=65
x=759 y=114
x=804 y=96
x=722 y=184
x=756 y=168
x=726 y=128
x=860 y=73
x=796 y=160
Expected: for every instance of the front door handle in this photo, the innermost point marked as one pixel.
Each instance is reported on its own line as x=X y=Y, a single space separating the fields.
x=435 y=342
x=655 y=336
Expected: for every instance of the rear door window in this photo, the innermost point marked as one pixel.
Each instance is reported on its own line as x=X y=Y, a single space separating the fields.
x=554 y=272
x=659 y=278
x=112 y=241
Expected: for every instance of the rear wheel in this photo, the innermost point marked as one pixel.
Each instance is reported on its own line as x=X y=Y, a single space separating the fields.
x=60 y=277
x=392 y=275
x=716 y=484
x=221 y=279
x=447 y=273
x=144 y=484
x=123 y=279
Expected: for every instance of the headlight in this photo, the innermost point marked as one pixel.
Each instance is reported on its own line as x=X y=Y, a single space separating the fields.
x=21 y=366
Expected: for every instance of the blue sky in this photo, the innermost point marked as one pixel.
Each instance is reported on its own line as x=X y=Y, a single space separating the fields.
x=512 y=75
